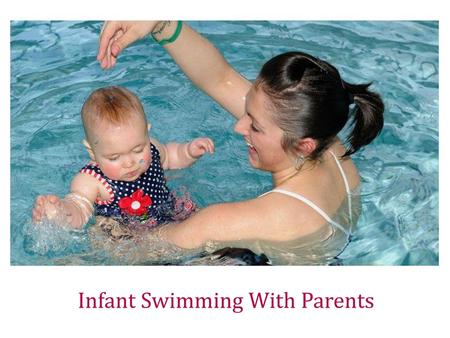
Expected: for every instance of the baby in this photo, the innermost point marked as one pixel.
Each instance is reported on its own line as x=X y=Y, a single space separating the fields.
x=125 y=178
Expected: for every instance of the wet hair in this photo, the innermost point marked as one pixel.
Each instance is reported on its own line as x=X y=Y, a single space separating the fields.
x=309 y=99
x=115 y=105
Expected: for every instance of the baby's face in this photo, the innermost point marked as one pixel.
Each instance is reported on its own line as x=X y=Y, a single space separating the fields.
x=122 y=151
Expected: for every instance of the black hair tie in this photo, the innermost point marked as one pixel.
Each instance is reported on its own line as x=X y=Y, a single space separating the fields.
x=351 y=98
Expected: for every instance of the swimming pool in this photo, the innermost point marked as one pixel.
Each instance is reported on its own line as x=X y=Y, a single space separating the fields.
x=53 y=69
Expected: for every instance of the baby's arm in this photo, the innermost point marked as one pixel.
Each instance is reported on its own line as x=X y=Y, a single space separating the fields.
x=74 y=209
x=182 y=155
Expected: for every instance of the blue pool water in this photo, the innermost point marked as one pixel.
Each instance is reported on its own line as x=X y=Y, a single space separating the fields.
x=53 y=69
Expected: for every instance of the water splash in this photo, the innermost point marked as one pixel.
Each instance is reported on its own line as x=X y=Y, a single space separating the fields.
x=49 y=239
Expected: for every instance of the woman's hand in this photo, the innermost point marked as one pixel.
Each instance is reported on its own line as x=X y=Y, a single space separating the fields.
x=117 y=35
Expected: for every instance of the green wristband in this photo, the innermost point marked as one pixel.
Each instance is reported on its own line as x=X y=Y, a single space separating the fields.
x=173 y=37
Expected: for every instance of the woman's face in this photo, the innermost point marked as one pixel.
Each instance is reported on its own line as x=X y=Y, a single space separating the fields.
x=263 y=136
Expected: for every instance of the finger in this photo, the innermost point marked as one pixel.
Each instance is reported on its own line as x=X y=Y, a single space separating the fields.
x=36 y=216
x=108 y=30
x=108 y=55
x=53 y=199
x=211 y=145
x=104 y=63
x=113 y=61
x=40 y=202
x=123 y=41
x=205 y=147
x=208 y=145
x=110 y=59
x=116 y=37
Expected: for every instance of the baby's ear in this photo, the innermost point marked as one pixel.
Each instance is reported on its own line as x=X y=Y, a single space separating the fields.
x=89 y=149
x=149 y=126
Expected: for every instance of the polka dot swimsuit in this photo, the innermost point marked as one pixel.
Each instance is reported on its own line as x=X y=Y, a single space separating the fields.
x=152 y=183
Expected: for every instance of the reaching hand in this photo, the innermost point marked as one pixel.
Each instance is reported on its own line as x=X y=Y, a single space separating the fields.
x=199 y=146
x=117 y=35
x=48 y=207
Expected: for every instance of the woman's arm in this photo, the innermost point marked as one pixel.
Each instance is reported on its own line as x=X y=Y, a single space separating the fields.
x=255 y=219
x=205 y=66
x=195 y=55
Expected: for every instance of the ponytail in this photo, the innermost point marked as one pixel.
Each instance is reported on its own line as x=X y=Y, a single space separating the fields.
x=310 y=99
x=367 y=116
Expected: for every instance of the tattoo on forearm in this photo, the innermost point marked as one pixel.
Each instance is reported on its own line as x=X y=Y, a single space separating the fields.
x=160 y=28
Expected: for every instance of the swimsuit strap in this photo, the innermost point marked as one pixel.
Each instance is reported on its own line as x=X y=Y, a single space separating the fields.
x=347 y=187
x=312 y=205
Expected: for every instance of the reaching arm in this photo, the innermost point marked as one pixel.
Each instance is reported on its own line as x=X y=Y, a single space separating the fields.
x=74 y=209
x=182 y=155
x=195 y=55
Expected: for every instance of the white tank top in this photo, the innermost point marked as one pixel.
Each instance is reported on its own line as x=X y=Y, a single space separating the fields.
x=317 y=208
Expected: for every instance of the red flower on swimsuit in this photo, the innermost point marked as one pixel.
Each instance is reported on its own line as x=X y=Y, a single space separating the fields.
x=136 y=204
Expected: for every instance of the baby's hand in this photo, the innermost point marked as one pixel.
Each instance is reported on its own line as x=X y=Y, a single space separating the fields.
x=48 y=207
x=199 y=146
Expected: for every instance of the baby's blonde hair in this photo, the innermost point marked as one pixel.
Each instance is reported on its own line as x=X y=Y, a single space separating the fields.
x=115 y=105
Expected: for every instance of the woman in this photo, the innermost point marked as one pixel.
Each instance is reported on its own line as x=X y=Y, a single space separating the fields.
x=289 y=118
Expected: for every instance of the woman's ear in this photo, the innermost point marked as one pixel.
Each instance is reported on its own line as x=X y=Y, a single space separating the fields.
x=149 y=125
x=306 y=146
x=89 y=149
